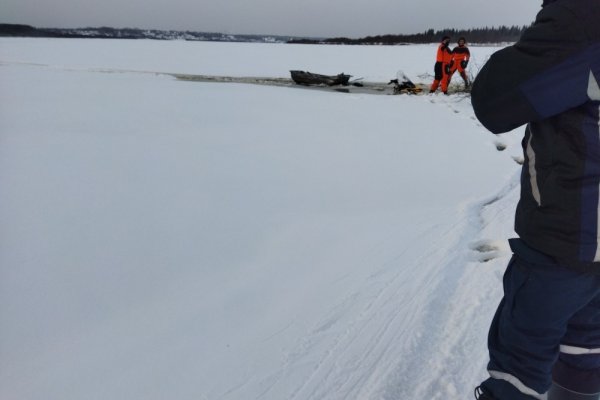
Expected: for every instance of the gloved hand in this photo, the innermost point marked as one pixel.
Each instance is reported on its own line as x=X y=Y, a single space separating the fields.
x=447 y=69
x=464 y=63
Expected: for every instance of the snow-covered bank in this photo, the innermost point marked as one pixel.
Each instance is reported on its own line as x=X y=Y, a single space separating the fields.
x=177 y=240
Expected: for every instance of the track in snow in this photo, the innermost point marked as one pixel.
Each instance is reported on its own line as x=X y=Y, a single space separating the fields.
x=406 y=333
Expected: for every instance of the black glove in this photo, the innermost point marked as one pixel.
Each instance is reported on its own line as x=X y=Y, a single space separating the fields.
x=463 y=64
x=447 y=69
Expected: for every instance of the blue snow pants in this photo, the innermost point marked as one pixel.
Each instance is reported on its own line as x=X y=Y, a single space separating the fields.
x=546 y=328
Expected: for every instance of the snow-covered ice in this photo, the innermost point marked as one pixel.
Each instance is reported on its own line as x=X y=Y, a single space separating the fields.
x=164 y=239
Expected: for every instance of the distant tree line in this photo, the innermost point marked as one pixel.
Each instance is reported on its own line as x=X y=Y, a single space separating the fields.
x=477 y=35
x=104 y=32
x=101 y=32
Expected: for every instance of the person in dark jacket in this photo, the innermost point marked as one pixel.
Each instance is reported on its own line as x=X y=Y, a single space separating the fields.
x=440 y=69
x=544 y=341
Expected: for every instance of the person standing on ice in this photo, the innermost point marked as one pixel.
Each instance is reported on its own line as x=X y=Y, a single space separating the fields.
x=544 y=340
x=459 y=61
x=443 y=58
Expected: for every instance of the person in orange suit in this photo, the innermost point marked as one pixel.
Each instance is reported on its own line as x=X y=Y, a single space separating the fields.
x=443 y=59
x=460 y=59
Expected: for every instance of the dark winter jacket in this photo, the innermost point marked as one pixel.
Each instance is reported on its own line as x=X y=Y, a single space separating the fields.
x=549 y=79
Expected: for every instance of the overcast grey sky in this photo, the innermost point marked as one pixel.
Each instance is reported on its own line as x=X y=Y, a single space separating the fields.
x=319 y=18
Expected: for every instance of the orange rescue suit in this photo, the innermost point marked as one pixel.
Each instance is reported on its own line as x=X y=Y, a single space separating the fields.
x=460 y=59
x=443 y=58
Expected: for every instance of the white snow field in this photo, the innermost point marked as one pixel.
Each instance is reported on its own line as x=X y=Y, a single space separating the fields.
x=163 y=239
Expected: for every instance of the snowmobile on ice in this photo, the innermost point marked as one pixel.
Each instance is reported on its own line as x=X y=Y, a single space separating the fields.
x=403 y=84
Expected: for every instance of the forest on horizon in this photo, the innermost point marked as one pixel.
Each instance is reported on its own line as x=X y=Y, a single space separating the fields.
x=475 y=35
x=499 y=34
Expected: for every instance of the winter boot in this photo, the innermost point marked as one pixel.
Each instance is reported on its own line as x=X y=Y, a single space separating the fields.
x=560 y=393
x=482 y=394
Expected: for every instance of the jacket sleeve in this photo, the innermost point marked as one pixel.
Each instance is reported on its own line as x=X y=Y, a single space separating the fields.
x=545 y=73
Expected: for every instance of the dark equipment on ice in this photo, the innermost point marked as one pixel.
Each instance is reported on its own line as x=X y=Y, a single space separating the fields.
x=309 y=78
x=406 y=86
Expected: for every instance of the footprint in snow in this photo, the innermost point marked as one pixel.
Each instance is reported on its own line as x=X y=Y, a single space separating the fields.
x=500 y=146
x=487 y=250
